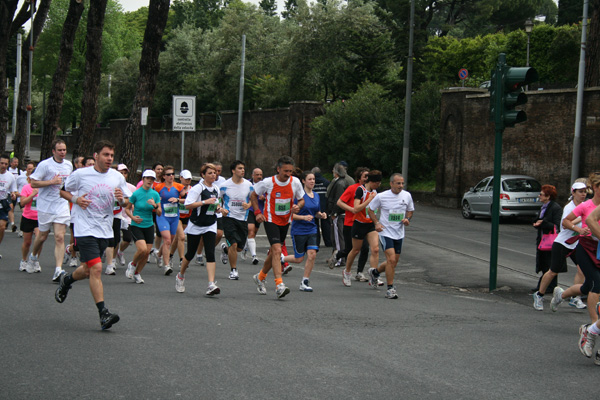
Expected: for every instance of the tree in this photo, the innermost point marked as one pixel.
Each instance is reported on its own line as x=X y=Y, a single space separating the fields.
x=203 y=14
x=158 y=11
x=269 y=7
x=569 y=12
x=91 y=82
x=290 y=9
x=592 y=60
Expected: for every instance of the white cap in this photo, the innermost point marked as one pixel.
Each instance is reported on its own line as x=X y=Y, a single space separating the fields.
x=149 y=173
x=578 y=185
x=185 y=174
x=121 y=167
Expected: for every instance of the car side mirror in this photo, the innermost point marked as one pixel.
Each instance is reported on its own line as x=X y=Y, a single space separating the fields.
x=472 y=189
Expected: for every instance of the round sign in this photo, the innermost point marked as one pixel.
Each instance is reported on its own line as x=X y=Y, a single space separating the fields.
x=463 y=73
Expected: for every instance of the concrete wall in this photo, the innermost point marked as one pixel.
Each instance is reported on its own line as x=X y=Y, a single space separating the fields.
x=541 y=147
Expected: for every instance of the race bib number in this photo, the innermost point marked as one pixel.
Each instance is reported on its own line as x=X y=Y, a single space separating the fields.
x=212 y=208
x=34 y=204
x=239 y=204
x=395 y=216
x=283 y=206
x=171 y=210
x=183 y=210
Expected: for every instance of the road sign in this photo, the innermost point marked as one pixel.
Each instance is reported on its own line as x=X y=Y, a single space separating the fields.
x=144 y=116
x=463 y=74
x=184 y=113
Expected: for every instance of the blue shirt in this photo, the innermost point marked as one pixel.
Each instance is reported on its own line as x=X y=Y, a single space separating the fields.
x=311 y=207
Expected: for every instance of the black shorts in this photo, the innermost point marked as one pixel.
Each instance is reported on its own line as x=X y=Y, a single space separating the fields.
x=116 y=233
x=559 y=255
x=28 y=225
x=360 y=230
x=126 y=235
x=236 y=231
x=220 y=224
x=90 y=247
x=184 y=221
x=252 y=220
x=276 y=233
x=146 y=234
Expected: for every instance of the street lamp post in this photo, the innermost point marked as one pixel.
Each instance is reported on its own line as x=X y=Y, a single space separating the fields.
x=528 y=29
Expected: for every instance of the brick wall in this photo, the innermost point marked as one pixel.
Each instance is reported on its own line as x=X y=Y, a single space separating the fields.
x=541 y=147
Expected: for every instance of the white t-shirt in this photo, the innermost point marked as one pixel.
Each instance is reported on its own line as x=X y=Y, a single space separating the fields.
x=21 y=182
x=564 y=232
x=393 y=210
x=8 y=184
x=125 y=220
x=194 y=195
x=49 y=200
x=234 y=194
x=97 y=219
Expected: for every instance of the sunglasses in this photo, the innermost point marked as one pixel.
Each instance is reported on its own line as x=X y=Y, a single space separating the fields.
x=171 y=174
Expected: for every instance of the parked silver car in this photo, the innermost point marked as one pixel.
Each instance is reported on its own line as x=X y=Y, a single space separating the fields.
x=518 y=197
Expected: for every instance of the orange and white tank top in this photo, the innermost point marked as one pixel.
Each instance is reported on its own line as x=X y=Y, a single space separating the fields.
x=362 y=215
x=278 y=203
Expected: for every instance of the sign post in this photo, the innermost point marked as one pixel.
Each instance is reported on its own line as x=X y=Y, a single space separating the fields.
x=184 y=118
x=463 y=74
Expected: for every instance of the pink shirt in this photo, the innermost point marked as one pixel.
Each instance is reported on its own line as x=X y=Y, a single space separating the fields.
x=583 y=210
x=28 y=211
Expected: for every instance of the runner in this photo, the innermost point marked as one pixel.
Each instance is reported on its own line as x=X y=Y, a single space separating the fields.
x=280 y=192
x=53 y=211
x=363 y=227
x=8 y=193
x=203 y=200
x=14 y=169
x=253 y=226
x=97 y=187
x=168 y=221
x=117 y=223
x=185 y=178
x=145 y=202
x=23 y=180
x=29 y=225
x=396 y=209
x=305 y=234
x=125 y=221
x=235 y=193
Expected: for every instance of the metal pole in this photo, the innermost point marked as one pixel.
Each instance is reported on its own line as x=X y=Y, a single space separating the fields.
x=182 y=148
x=17 y=85
x=527 y=63
x=238 y=136
x=28 y=140
x=407 y=109
x=580 y=84
x=143 y=145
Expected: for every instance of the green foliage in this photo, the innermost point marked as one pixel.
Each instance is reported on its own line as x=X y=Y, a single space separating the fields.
x=269 y=7
x=203 y=14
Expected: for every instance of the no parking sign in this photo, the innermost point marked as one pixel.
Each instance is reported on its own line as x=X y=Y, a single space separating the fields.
x=463 y=74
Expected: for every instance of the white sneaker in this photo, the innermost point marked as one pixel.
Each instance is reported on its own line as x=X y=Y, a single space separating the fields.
x=57 y=273
x=305 y=286
x=213 y=289
x=282 y=290
x=23 y=265
x=35 y=264
x=254 y=260
x=538 y=302
x=360 y=277
x=244 y=254
x=346 y=278
x=20 y=234
x=556 y=298
x=121 y=257
x=74 y=262
x=160 y=263
x=224 y=255
x=168 y=270
x=380 y=282
x=137 y=278
x=67 y=256
x=233 y=275
x=153 y=257
x=261 y=286
x=179 y=284
x=110 y=270
x=391 y=293
x=130 y=271
x=30 y=268
x=577 y=303
x=200 y=259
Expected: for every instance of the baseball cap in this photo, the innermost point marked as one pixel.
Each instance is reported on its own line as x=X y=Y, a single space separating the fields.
x=121 y=167
x=185 y=174
x=149 y=173
x=578 y=185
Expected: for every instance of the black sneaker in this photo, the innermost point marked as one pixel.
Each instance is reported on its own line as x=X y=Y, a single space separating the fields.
x=61 y=293
x=107 y=319
x=14 y=227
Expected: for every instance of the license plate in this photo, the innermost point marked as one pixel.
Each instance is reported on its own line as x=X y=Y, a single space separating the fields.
x=526 y=200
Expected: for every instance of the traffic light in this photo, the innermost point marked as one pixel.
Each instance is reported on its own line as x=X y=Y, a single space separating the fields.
x=514 y=78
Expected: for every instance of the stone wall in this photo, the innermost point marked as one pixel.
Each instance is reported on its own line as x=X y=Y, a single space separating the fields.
x=542 y=147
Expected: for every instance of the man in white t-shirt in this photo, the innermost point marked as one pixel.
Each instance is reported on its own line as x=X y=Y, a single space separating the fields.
x=235 y=193
x=53 y=211
x=14 y=169
x=8 y=193
x=97 y=188
x=396 y=209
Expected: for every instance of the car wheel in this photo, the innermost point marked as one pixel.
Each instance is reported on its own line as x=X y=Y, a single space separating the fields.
x=466 y=210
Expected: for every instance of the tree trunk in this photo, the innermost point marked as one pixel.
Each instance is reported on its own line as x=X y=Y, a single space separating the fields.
x=59 y=80
x=7 y=12
x=158 y=11
x=592 y=55
x=91 y=82
x=21 y=131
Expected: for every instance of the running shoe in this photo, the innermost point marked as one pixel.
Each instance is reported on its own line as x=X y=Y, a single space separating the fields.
x=380 y=282
x=168 y=270
x=30 y=268
x=160 y=263
x=556 y=298
x=137 y=278
x=200 y=260
x=331 y=261
x=261 y=285
x=130 y=271
x=587 y=340
x=287 y=269
x=14 y=227
x=577 y=303
x=373 y=275
x=107 y=319
x=339 y=263
x=254 y=260
x=538 y=301
x=597 y=358
x=282 y=290
x=61 y=292
x=57 y=273
x=153 y=256
x=361 y=277
x=121 y=257
x=305 y=286
x=233 y=275
x=110 y=270
x=34 y=263
x=23 y=265
x=213 y=289
x=224 y=251
x=244 y=254
x=20 y=233
x=346 y=278
x=67 y=256
x=391 y=293
x=179 y=283
x=74 y=262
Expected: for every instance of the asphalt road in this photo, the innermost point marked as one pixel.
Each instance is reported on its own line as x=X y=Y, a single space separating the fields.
x=445 y=338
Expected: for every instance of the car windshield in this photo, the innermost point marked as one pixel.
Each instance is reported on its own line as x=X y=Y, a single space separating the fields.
x=521 y=185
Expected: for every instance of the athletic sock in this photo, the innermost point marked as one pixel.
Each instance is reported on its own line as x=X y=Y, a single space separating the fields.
x=252 y=247
x=390 y=287
x=262 y=276
x=100 y=306
x=594 y=329
x=68 y=279
x=540 y=294
x=278 y=281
